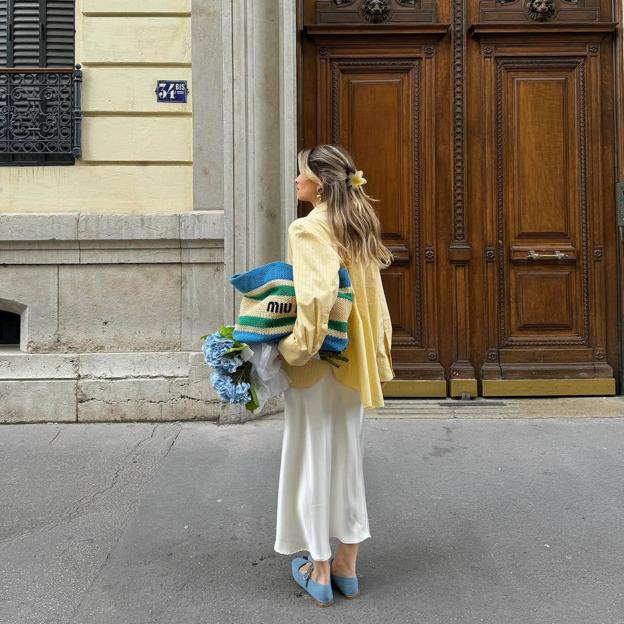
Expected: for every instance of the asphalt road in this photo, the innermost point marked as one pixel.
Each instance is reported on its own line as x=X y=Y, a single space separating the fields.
x=493 y=520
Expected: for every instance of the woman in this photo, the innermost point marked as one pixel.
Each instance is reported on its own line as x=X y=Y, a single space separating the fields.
x=321 y=488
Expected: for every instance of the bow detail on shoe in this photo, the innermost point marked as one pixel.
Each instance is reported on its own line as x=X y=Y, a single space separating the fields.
x=308 y=573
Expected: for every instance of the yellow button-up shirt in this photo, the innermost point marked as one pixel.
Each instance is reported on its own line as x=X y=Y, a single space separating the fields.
x=315 y=260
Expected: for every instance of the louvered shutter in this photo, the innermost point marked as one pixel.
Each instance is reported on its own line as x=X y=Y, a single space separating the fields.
x=25 y=31
x=4 y=7
x=37 y=33
x=59 y=33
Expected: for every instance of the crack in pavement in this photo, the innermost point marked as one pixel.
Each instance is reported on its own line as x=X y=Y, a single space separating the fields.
x=84 y=503
x=56 y=435
x=175 y=437
x=126 y=519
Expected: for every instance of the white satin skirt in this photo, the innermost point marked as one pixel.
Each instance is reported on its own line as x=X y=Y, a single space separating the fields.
x=321 y=490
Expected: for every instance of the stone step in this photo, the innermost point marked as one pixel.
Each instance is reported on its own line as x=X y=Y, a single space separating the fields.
x=533 y=407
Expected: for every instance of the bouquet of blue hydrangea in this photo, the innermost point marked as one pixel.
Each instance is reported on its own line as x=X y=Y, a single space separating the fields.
x=229 y=360
x=241 y=374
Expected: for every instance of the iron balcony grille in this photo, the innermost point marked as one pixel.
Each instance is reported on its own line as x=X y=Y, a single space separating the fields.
x=40 y=115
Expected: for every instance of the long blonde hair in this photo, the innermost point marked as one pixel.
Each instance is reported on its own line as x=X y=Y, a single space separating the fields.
x=354 y=221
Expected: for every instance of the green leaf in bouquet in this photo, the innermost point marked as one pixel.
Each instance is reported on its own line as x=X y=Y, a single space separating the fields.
x=253 y=403
x=339 y=357
x=330 y=361
x=330 y=356
x=226 y=331
x=236 y=348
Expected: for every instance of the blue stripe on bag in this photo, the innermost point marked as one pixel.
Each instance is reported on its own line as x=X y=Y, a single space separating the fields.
x=251 y=338
x=254 y=278
x=331 y=343
x=344 y=281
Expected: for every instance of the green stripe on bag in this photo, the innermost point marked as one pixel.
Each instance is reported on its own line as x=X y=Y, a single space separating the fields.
x=258 y=321
x=339 y=326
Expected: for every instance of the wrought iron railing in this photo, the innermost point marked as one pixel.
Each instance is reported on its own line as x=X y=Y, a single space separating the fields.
x=40 y=114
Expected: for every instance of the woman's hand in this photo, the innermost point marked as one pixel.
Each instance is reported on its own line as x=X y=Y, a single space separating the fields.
x=383 y=383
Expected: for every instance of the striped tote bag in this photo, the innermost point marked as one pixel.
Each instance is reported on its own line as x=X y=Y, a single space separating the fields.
x=268 y=309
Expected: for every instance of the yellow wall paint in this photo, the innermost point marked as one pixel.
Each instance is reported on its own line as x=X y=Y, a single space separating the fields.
x=125 y=46
x=98 y=188
x=154 y=139
x=136 y=6
x=137 y=39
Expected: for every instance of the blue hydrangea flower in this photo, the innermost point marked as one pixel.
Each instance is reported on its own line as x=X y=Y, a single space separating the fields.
x=214 y=348
x=242 y=392
x=228 y=390
x=231 y=363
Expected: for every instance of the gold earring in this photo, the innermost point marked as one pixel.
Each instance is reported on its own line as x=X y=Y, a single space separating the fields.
x=318 y=195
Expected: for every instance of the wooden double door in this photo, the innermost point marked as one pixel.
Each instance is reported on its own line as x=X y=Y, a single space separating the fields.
x=486 y=128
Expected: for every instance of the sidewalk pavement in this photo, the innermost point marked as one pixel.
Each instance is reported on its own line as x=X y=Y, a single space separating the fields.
x=494 y=520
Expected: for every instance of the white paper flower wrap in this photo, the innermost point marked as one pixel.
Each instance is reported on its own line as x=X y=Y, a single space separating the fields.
x=266 y=373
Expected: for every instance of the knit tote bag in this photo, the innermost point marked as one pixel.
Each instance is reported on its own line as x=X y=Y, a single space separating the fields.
x=268 y=309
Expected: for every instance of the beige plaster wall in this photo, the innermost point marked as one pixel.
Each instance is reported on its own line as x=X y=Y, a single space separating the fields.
x=137 y=153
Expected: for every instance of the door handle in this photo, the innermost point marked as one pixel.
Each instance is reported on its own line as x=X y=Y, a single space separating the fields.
x=556 y=255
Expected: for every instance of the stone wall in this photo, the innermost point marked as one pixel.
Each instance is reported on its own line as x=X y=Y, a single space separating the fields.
x=112 y=311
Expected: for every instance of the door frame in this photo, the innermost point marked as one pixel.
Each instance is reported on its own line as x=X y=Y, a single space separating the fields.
x=618 y=111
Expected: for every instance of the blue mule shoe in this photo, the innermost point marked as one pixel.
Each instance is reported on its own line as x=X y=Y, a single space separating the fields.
x=348 y=585
x=320 y=592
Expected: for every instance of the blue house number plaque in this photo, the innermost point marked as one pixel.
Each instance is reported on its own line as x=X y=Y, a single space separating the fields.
x=171 y=91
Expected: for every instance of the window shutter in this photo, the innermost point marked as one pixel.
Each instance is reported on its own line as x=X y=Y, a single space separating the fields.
x=26 y=33
x=59 y=33
x=3 y=32
x=37 y=33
